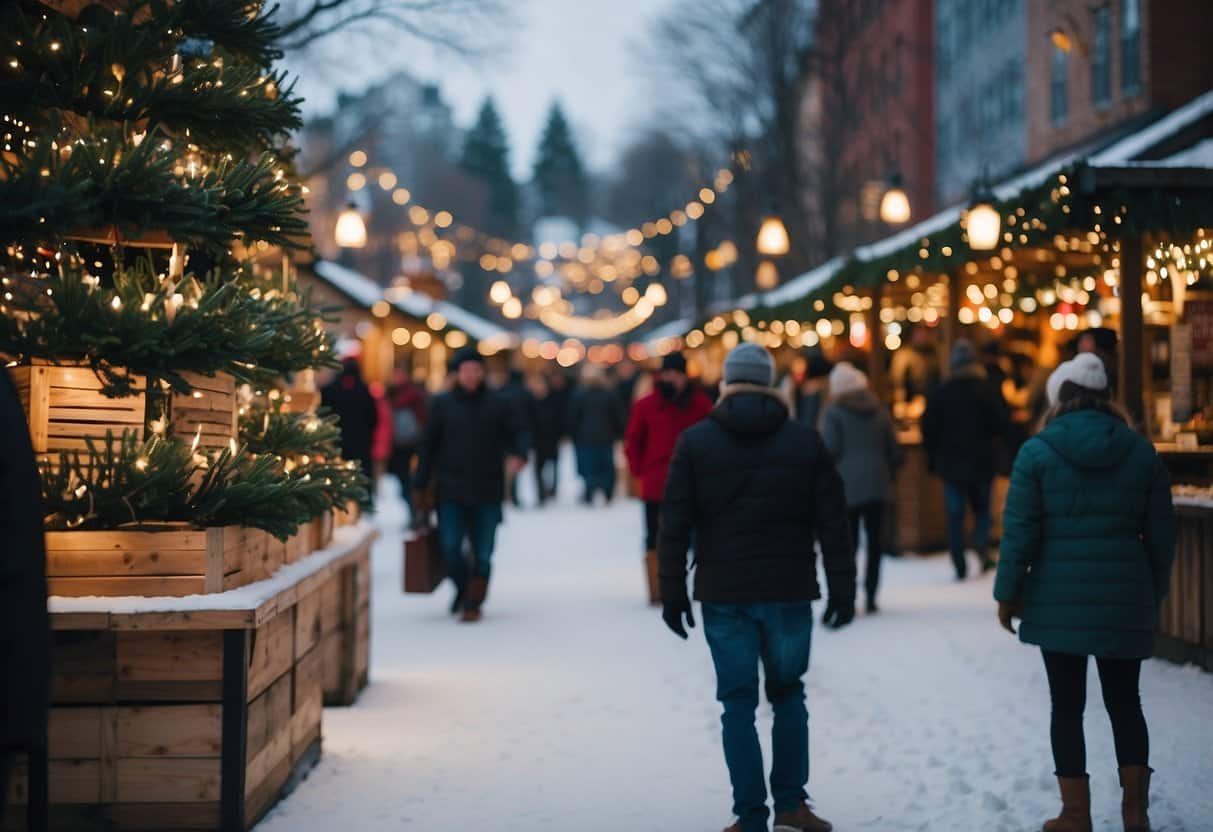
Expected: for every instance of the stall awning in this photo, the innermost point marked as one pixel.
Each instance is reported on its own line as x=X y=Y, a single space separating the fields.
x=925 y=242
x=366 y=292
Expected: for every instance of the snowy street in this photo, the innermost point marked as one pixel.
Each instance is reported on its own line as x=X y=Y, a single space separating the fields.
x=572 y=708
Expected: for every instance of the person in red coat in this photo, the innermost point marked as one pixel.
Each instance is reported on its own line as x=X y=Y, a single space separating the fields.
x=657 y=421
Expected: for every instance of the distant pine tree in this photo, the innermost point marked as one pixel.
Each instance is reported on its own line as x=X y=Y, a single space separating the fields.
x=560 y=176
x=486 y=156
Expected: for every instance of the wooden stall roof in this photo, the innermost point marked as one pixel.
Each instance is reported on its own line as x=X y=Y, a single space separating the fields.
x=236 y=609
x=1113 y=166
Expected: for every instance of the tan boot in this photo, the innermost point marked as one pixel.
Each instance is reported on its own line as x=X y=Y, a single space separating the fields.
x=802 y=820
x=1075 y=806
x=1134 y=806
x=473 y=599
x=650 y=565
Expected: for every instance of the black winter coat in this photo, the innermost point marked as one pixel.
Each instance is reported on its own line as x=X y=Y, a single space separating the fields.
x=756 y=490
x=961 y=427
x=25 y=642
x=546 y=422
x=467 y=438
x=350 y=398
x=595 y=417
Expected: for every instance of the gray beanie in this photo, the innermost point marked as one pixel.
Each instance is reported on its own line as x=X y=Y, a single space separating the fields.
x=963 y=354
x=749 y=364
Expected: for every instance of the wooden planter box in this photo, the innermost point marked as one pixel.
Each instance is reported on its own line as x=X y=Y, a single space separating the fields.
x=65 y=406
x=174 y=561
x=348 y=516
x=210 y=412
x=1185 y=622
x=194 y=719
x=345 y=631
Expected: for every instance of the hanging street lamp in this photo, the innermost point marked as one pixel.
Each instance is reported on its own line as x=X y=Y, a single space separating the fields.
x=983 y=222
x=773 y=237
x=895 y=204
x=351 y=229
x=767 y=276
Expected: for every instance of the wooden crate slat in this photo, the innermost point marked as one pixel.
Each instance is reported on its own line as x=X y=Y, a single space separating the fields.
x=170 y=586
x=307 y=623
x=169 y=656
x=74 y=733
x=176 y=780
x=144 y=541
x=273 y=652
x=169 y=731
x=115 y=563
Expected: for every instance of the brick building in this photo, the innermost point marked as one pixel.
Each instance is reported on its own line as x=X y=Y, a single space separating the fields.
x=871 y=112
x=1096 y=65
x=980 y=113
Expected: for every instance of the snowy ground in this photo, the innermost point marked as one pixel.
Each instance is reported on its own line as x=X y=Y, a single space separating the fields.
x=572 y=708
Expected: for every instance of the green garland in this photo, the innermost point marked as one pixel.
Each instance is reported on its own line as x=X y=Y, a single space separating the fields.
x=124 y=481
x=229 y=322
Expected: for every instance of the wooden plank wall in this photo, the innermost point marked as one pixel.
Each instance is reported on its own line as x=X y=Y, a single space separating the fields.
x=136 y=726
x=345 y=632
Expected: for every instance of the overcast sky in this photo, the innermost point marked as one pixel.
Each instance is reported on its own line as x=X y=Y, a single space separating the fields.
x=583 y=52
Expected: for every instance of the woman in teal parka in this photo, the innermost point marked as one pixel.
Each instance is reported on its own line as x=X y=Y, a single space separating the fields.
x=1088 y=541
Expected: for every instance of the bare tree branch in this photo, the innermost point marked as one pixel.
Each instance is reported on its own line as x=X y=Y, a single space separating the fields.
x=458 y=26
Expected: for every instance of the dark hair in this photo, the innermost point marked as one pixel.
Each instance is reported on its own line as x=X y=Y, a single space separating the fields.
x=1074 y=397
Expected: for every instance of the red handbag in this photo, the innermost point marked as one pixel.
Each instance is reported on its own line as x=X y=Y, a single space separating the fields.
x=424 y=567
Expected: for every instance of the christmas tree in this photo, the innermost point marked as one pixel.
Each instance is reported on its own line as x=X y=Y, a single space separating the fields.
x=559 y=173
x=486 y=156
x=146 y=180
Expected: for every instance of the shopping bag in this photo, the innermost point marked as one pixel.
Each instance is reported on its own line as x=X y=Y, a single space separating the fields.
x=424 y=568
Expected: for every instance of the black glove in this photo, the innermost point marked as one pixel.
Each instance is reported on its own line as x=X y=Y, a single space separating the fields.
x=839 y=613
x=672 y=613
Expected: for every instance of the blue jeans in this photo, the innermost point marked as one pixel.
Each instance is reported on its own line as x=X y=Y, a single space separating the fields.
x=478 y=523
x=596 y=465
x=958 y=496
x=779 y=636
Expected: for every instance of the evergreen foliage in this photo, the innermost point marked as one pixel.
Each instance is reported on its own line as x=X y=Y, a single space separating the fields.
x=486 y=156
x=559 y=174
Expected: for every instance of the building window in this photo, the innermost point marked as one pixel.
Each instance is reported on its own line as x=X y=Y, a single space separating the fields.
x=1130 y=47
x=1059 y=104
x=1101 y=58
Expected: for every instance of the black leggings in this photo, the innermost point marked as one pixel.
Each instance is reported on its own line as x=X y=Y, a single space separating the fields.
x=872 y=515
x=1119 y=679
x=652 y=523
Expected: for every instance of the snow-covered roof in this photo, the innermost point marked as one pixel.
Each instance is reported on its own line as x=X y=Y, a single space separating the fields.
x=1120 y=152
x=367 y=292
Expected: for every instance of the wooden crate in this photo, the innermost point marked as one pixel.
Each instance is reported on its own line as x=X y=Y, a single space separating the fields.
x=347 y=516
x=211 y=412
x=174 y=561
x=322 y=530
x=344 y=619
x=179 y=729
x=1185 y=621
x=65 y=406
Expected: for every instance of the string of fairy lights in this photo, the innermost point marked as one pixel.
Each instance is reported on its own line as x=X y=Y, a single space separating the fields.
x=590 y=266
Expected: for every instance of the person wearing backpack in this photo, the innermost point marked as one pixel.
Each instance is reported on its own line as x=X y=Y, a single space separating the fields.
x=1087 y=545
x=408 y=405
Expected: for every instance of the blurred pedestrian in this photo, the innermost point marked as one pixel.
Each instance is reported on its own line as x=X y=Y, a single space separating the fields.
x=25 y=637
x=407 y=401
x=474 y=439
x=546 y=430
x=657 y=421
x=963 y=421
x=1104 y=343
x=914 y=369
x=381 y=437
x=813 y=390
x=625 y=385
x=1088 y=543
x=596 y=423
x=860 y=436
x=350 y=398
x=755 y=490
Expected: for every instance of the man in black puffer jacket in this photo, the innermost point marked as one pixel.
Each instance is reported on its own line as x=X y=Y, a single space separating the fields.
x=756 y=489
x=474 y=440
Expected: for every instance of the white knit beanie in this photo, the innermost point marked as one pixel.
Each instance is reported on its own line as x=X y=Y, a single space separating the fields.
x=1086 y=370
x=846 y=378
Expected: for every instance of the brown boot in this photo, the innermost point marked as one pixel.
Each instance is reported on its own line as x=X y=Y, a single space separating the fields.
x=802 y=820
x=473 y=599
x=650 y=565
x=1134 y=806
x=1075 y=806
